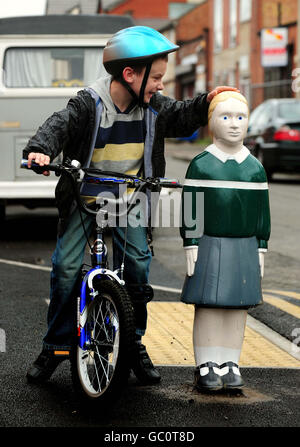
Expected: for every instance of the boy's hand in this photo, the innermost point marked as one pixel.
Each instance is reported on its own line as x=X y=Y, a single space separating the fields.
x=220 y=89
x=40 y=159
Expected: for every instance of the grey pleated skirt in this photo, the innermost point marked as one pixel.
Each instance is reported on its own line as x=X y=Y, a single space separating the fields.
x=227 y=274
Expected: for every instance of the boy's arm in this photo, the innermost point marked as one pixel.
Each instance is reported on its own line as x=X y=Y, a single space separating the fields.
x=59 y=130
x=182 y=118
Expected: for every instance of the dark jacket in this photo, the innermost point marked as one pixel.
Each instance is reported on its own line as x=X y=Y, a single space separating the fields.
x=71 y=131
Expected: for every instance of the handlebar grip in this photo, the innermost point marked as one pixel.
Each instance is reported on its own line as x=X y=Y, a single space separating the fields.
x=169 y=183
x=39 y=169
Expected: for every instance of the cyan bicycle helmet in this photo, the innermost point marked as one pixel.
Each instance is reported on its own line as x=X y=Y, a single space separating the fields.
x=136 y=45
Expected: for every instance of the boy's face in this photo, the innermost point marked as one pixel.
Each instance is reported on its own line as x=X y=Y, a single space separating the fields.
x=154 y=83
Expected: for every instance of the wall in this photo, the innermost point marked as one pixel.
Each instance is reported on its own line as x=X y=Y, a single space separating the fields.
x=144 y=8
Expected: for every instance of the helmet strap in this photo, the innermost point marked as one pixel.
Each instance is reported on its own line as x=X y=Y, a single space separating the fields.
x=139 y=99
x=143 y=86
x=127 y=86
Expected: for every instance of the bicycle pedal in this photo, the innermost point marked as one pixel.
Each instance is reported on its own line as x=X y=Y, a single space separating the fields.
x=62 y=353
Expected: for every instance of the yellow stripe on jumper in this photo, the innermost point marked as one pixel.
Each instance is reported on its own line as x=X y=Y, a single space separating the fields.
x=119 y=152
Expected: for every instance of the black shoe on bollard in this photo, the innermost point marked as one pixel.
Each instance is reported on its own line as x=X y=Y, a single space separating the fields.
x=232 y=379
x=206 y=379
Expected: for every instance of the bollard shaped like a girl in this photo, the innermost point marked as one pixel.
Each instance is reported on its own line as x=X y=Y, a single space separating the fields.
x=225 y=261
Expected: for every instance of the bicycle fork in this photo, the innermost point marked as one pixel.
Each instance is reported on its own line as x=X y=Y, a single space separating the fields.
x=88 y=291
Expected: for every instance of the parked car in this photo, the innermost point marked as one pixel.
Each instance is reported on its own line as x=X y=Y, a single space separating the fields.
x=274 y=135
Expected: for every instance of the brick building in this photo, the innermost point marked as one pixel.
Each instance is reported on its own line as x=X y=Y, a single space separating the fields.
x=238 y=28
x=141 y=9
x=231 y=46
x=221 y=43
x=274 y=81
x=193 y=63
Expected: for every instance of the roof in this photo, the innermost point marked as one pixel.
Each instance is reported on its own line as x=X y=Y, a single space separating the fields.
x=65 y=24
x=156 y=23
x=66 y=6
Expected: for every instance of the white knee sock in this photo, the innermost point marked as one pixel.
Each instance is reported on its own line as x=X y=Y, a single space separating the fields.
x=216 y=354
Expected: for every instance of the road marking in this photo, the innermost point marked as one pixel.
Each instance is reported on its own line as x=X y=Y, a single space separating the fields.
x=284 y=293
x=157 y=287
x=26 y=265
x=287 y=307
x=166 y=289
x=48 y=269
x=292 y=309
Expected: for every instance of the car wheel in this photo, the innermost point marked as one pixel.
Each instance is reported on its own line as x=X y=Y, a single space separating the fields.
x=2 y=212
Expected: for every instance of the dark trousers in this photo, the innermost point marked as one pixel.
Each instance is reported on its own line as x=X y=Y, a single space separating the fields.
x=66 y=263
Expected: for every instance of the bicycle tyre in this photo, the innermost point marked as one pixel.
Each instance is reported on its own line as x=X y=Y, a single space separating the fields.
x=100 y=372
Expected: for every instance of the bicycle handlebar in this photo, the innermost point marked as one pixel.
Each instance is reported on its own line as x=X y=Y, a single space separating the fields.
x=115 y=178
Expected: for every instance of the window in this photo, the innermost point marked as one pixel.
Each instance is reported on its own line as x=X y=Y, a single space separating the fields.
x=218 y=25
x=289 y=110
x=245 y=10
x=255 y=114
x=232 y=22
x=263 y=118
x=260 y=116
x=52 y=67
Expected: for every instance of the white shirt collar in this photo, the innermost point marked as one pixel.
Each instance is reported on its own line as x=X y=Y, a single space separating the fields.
x=239 y=156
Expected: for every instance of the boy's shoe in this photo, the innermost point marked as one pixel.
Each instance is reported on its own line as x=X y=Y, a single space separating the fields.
x=143 y=367
x=206 y=379
x=45 y=365
x=233 y=378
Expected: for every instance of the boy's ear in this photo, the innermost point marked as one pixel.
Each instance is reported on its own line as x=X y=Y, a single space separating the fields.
x=128 y=74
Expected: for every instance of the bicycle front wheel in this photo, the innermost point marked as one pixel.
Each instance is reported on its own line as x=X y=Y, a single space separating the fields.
x=100 y=368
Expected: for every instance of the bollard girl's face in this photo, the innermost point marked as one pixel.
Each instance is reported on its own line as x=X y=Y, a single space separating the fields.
x=229 y=121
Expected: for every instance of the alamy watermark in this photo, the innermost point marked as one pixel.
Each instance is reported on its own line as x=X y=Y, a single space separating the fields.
x=154 y=209
x=296 y=340
x=296 y=81
x=2 y=340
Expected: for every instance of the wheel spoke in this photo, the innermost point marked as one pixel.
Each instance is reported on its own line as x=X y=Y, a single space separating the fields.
x=101 y=369
x=99 y=361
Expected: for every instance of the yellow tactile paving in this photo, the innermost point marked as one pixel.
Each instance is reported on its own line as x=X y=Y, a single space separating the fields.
x=169 y=340
x=258 y=351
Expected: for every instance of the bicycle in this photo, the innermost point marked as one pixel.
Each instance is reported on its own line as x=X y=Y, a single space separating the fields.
x=101 y=360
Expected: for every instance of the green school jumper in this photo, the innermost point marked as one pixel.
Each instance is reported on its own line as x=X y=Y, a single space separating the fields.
x=236 y=223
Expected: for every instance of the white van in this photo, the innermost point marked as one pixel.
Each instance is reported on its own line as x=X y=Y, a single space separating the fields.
x=44 y=60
